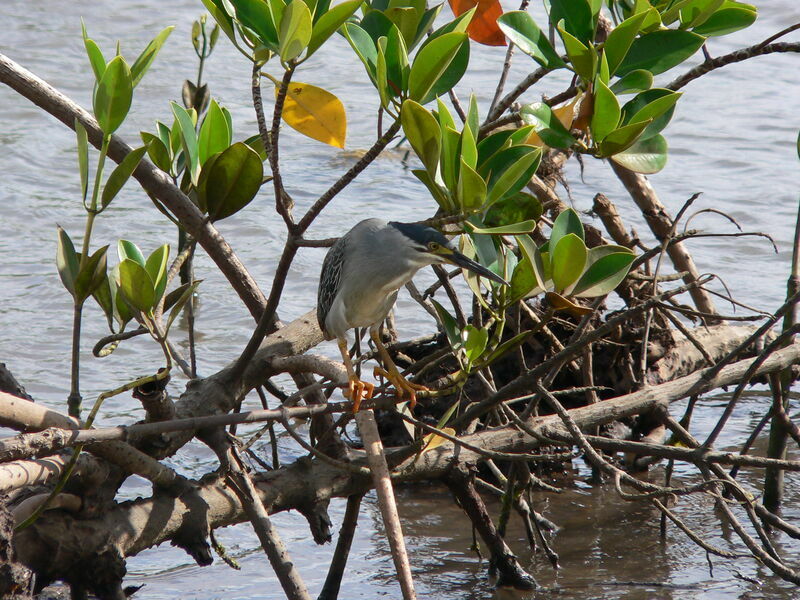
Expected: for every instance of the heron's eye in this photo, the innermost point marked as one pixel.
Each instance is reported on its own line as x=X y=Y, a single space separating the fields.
x=433 y=246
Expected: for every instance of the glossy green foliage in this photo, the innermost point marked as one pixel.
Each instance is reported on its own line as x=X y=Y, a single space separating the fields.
x=83 y=157
x=578 y=18
x=522 y=30
x=185 y=127
x=606 y=115
x=431 y=63
x=661 y=50
x=148 y=55
x=80 y=278
x=215 y=134
x=229 y=181
x=546 y=125
x=295 y=30
x=564 y=264
x=120 y=175
x=113 y=96
x=141 y=281
x=645 y=156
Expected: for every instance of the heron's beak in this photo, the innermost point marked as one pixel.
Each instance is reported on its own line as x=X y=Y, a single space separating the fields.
x=462 y=261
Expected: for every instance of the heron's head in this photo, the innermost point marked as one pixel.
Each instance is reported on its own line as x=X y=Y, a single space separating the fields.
x=435 y=248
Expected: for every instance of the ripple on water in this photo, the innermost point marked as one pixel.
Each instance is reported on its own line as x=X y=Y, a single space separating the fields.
x=732 y=132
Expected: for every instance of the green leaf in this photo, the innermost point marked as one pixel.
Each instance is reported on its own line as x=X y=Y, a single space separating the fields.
x=67 y=261
x=120 y=175
x=727 y=20
x=231 y=181
x=697 y=11
x=443 y=115
x=123 y=311
x=103 y=297
x=577 y=16
x=604 y=274
x=449 y=325
x=546 y=125
x=223 y=19
x=620 y=39
x=96 y=59
x=473 y=117
x=329 y=22
x=567 y=222
x=431 y=62
x=522 y=30
x=406 y=19
x=136 y=285
x=148 y=55
x=471 y=190
x=621 y=139
x=515 y=176
x=539 y=262
x=425 y=24
x=605 y=117
x=511 y=229
x=156 y=150
x=113 y=96
x=156 y=267
x=514 y=209
x=83 y=157
x=126 y=249
x=661 y=50
x=523 y=281
x=363 y=46
x=450 y=159
x=568 y=261
x=635 y=81
x=474 y=342
x=583 y=58
x=645 y=156
x=381 y=78
x=188 y=137
x=656 y=105
x=258 y=16
x=423 y=133
x=491 y=144
x=469 y=152
x=214 y=133
x=91 y=275
x=295 y=30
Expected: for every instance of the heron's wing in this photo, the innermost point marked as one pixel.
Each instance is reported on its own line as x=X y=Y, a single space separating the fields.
x=330 y=281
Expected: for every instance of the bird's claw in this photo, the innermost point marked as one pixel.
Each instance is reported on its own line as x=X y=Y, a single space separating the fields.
x=357 y=390
x=402 y=386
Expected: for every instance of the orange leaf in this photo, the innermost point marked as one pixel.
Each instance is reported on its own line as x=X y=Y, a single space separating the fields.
x=483 y=28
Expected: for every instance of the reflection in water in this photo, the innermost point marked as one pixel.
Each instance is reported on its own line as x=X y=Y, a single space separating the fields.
x=609 y=549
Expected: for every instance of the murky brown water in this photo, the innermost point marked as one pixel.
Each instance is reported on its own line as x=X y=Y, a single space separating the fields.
x=732 y=138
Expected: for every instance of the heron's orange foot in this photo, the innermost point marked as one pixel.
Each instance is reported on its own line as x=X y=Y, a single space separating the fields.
x=357 y=390
x=402 y=386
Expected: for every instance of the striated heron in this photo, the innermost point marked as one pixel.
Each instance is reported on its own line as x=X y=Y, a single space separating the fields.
x=361 y=275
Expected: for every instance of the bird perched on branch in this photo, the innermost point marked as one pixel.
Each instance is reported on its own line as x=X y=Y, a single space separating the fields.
x=361 y=275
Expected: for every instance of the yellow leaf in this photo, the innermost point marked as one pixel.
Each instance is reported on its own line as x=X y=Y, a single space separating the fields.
x=315 y=113
x=432 y=440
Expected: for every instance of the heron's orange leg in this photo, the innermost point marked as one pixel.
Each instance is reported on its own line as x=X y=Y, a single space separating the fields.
x=392 y=374
x=357 y=390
